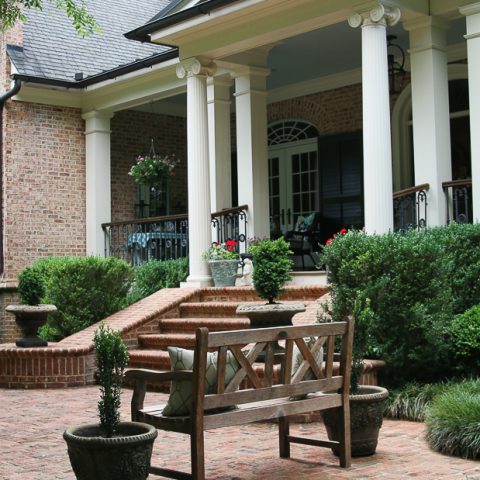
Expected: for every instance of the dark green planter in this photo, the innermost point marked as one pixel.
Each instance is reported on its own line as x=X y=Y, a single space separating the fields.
x=366 y=418
x=124 y=457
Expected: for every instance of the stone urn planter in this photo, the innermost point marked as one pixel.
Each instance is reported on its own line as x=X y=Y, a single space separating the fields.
x=270 y=314
x=366 y=418
x=125 y=456
x=30 y=318
x=224 y=272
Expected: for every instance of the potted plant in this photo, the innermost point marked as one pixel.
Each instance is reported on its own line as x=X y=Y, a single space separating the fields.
x=31 y=314
x=153 y=170
x=366 y=401
x=273 y=264
x=111 y=450
x=223 y=259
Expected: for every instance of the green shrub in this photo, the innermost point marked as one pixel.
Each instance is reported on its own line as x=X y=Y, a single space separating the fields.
x=272 y=266
x=411 y=401
x=416 y=283
x=465 y=335
x=155 y=275
x=84 y=289
x=453 y=421
x=111 y=358
x=31 y=287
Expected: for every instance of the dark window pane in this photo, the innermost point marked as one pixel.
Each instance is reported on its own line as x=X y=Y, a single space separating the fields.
x=296 y=203
x=313 y=160
x=305 y=185
x=305 y=202
x=295 y=163
x=313 y=180
x=275 y=167
x=275 y=186
x=304 y=162
x=296 y=183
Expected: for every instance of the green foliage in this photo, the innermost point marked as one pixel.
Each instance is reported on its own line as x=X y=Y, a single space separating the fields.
x=416 y=283
x=155 y=275
x=453 y=421
x=411 y=401
x=272 y=266
x=111 y=357
x=31 y=286
x=84 y=289
x=12 y=11
x=465 y=335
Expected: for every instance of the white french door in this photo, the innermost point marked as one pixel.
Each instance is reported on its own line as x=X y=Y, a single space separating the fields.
x=293 y=183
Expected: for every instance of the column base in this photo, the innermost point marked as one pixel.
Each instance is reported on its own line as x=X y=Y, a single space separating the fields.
x=197 y=282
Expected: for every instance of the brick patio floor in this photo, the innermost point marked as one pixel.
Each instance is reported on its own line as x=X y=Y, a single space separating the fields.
x=32 y=447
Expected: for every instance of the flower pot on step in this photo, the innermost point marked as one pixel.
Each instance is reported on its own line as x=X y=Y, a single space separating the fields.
x=224 y=272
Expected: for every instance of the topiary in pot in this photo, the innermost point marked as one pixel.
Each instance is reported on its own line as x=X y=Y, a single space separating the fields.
x=30 y=315
x=111 y=450
x=272 y=267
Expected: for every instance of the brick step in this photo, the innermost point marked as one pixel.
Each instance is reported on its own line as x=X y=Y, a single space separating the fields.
x=151 y=359
x=164 y=340
x=177 y=325
x=248 y=294
x=209 y=309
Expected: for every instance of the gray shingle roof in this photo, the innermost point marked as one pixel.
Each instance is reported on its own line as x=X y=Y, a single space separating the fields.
x=53 y=50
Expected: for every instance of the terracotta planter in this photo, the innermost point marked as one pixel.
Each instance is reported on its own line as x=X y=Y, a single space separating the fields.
x=366 y=417
x=30 y=318
x=124 y=457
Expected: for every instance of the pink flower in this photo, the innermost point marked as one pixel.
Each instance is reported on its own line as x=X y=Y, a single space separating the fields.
x=329 y=241
x=343 y=231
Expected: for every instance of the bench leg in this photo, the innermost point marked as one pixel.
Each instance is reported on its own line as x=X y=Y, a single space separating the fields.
x=345 y=439
x=283 y=433
x=197 y=455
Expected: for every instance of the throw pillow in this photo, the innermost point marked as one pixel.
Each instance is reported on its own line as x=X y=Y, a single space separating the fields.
x=180 y=399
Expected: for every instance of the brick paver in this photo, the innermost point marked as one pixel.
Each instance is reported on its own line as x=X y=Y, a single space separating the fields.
x=32 y=447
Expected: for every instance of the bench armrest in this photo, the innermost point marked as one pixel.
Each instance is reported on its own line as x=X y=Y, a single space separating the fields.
x=140 y=378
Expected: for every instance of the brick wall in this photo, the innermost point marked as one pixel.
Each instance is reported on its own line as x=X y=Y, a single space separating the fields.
x=131 y=134
x=333 y=111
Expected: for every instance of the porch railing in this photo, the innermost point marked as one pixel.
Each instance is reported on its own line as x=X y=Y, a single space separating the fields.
x=231 y=223
x=458 y=195
x=167 y=237
x=410 y=207
x=141 y=240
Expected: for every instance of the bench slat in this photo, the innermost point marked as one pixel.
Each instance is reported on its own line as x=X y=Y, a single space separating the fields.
x=270 y=410
x=243 y=337
x=269 y=393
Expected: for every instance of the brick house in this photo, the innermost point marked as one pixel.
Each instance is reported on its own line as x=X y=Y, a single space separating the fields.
x=282 y=106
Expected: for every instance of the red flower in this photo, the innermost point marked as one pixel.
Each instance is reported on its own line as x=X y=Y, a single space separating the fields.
x=343 y=231
x=231 y=244
x=329 y=241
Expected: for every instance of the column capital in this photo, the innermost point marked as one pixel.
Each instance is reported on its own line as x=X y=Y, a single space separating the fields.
x=375 y=14
x=471 y=9
x=196 y=66
x=97 y=121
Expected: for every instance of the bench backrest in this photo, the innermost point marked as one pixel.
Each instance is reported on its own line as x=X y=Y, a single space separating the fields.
x=264 y=339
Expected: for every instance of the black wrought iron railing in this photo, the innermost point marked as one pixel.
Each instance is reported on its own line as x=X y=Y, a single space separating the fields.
x=410 y=207
x=167 y=237
x=141 y=240
x=458 y=195
x=231 y=224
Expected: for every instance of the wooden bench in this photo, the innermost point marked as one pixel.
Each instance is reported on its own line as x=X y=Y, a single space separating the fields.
x=262 y=402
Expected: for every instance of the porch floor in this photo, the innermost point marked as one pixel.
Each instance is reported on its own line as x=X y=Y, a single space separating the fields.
x=32 y=423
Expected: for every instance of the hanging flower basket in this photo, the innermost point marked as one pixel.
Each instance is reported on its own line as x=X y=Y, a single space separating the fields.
x=153 y=170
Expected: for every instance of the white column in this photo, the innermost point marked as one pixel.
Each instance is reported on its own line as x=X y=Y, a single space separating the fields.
x=200 y=236
x=252 y=150
x=377 y=148
x=98 y=185
x=218 y=97
x=430 y=112
x=472 y=13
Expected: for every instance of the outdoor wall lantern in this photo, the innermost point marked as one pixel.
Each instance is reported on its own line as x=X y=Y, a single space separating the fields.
x=396 y=62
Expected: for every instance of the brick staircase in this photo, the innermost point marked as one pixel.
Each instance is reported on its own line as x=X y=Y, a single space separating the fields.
x=212 y=308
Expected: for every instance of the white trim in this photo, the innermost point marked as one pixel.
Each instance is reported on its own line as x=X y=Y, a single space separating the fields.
x=322 y=84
